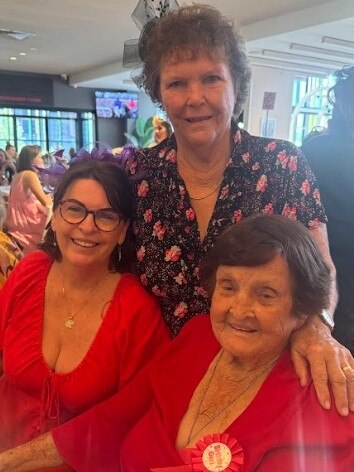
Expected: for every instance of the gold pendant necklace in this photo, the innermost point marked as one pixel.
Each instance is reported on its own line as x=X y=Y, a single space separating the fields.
x=218 y=413
x=70 y=322
x=207 y=195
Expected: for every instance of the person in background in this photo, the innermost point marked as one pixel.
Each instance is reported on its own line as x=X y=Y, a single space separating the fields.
x=7 y=168
x=209 y=174
x=161 y=129
x=75 y=325
x=11 y=152
x=224 y=395
x=331 y=157
x=29 y=208
x=10 y=253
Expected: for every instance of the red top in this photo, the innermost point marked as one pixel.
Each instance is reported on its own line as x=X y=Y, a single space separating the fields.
x=33 y=398
x=283 y=428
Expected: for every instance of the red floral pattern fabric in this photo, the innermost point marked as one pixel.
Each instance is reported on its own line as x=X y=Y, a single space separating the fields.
x=263 y=175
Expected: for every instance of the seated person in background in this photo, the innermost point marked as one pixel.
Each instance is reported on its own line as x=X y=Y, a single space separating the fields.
x=162 y=130
x=331 y=156
x=74 y=326
x=29 y=207
x=11 y=152
x=7 y=168
x=10 y=253
x=224 y=396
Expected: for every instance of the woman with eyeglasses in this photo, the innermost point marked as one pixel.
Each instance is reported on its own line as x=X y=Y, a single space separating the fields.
x=75 y=326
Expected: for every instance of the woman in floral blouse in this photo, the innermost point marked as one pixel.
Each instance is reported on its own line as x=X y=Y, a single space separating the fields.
x=209 y=174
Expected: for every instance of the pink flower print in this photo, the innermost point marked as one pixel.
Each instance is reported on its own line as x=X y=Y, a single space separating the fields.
x=271 y=146
x=148 y=215
x=256 y=166
x=140 y=254
x=187 y=230
x=190 y=256
x=144 y=280
x=268 y=209
x=143 y=189
x=237 y=137
x=132 y=167
x=314 y=223
x=305 y=187
x=182 y=191
x=262 y=183
x=171 y=156
x=289 y=212
x=237 y=216
x=158 y=292
x=201 y=291
x=180 y=279
x=292 y=164
x=173 y=254
x=246 y=157
x=190 y=214
x=225 y=191
x=282 y=159
x=317 y=196
x=181 y=310
x=159 y=230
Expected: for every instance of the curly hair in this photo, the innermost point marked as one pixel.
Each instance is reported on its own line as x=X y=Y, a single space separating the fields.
x=191 y=30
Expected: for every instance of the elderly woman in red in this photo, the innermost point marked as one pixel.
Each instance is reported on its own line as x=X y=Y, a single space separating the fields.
x=224 y=395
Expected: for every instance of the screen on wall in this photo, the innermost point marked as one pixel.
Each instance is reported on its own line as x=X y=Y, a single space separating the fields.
x=116 y=104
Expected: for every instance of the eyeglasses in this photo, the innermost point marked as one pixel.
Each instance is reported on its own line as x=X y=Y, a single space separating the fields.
x=74 y=212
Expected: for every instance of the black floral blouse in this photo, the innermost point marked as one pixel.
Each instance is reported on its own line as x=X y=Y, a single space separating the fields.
x=263 y=175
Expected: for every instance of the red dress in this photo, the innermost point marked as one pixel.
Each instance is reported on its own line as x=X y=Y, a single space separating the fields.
x=33 y=398
x=283 y=429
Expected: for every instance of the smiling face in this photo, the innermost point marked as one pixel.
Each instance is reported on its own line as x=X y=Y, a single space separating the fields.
x=83 y=244
x=251 y=311
x=199 y=98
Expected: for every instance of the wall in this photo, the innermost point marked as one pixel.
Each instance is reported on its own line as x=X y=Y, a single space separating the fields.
x=267 y=79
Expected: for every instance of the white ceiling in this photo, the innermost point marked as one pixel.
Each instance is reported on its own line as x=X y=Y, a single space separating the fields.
x=83 y=39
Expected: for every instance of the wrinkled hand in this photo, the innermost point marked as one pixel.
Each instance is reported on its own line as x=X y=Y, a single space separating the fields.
x=315 y=352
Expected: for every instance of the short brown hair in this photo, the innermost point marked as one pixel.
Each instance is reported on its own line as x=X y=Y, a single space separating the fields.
x=194 y=29
x=256 y=240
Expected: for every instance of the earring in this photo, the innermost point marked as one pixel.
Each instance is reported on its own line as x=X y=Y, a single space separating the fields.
x=119 y=252
x=55 y=244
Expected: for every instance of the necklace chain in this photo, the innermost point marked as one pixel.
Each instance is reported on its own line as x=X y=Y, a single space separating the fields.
x=218 y=413
x=70 y=322
x=207 y=195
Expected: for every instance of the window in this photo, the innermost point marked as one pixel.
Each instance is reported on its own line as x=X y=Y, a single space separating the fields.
x=49 y=129
x=310 y=106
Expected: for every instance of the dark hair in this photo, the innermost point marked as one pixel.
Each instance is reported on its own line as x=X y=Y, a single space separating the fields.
x=26 y=157
x=9 y=146
x=256 y=240
x=191 y=30
x=341 y=96
x=117 y=186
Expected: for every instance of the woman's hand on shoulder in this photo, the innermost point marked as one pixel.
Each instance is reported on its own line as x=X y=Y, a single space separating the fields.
x=317 y=354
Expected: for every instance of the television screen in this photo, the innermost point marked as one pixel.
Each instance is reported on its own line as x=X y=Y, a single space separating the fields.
x=116 y=104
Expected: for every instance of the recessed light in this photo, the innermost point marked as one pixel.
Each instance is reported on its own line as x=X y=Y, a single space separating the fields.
x=13 y=58
x=22 y=53
x=33 y=49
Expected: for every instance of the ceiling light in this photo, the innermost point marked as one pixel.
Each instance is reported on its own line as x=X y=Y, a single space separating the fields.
x=13 y=58
x=338 y=42
x=325 y=52
x=22 y=53
x=299 y=58
x=33 y=49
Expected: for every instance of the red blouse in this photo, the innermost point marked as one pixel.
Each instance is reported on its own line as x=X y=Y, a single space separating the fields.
x=33 y=398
